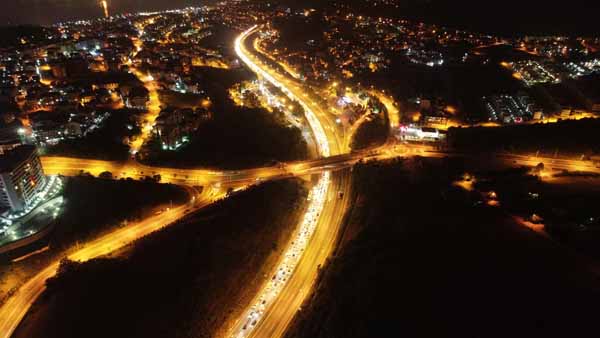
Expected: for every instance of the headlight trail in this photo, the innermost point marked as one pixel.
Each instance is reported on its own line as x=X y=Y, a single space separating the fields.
x=313 y=121
x=287 y=265
x=252 y=316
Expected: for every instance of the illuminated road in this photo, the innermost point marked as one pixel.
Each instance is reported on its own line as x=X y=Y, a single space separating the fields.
x=323 y=235
x=68 y=166
x=393 y=111
x=153 y=105
x=328 y=134
x=284 y=290
x=17 y=306
x=152 y=113
x=572 y=165
x=201 y=177
x=278 y=316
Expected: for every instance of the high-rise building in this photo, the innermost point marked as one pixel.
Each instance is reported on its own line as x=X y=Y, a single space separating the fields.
x=21 y=177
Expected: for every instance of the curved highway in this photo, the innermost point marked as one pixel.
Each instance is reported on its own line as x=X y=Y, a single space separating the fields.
x=283 y=293
x=284 y=290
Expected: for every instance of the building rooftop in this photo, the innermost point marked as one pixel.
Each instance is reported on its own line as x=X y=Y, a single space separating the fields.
x=11 y=159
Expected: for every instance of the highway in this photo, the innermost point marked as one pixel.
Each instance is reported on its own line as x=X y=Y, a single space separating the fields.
x=330 y=138
x=298 y=285
x=284 y=290
x=68 y=166
x=555 y=164
x=13 y=311
x=277 y=318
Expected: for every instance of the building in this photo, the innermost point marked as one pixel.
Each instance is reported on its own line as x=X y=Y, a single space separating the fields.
x=21 y=177
x=137 y=98
x=509 y=108
x=8 y=145
x=10 y=138
x=417 y=133
x=175 y=126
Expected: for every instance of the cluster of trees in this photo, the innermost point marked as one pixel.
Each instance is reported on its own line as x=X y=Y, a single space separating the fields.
x=372 y=132
x=568 y=212
x=180 y=282
x=573 y=137
x=236 y=137
x=10 y=36
x=106 y=143
x=94 y=204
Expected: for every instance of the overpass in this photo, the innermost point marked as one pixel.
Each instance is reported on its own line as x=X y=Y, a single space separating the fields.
x=68 y=166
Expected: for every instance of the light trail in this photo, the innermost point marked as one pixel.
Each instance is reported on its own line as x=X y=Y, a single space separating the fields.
x=295 y=268
x=288 y=264
x=337 y=142
x=315 y=125
x=277 y=302
x=67 y=166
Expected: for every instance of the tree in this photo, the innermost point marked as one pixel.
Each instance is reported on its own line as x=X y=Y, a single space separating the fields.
x=539 y=168
x=107 y=175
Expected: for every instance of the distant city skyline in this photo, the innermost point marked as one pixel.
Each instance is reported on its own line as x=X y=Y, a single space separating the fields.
x=48 y=12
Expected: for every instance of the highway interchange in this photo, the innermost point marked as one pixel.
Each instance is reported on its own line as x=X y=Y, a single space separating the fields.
x=286 y=288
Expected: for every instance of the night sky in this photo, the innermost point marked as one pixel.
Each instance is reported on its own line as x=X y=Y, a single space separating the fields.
x=514 y=17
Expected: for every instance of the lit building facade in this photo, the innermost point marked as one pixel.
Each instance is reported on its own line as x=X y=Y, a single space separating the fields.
x=21 y=177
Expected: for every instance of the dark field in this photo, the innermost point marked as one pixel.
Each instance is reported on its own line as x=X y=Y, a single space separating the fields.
x=93 y=206
x=421 y=260
x=566 y=137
